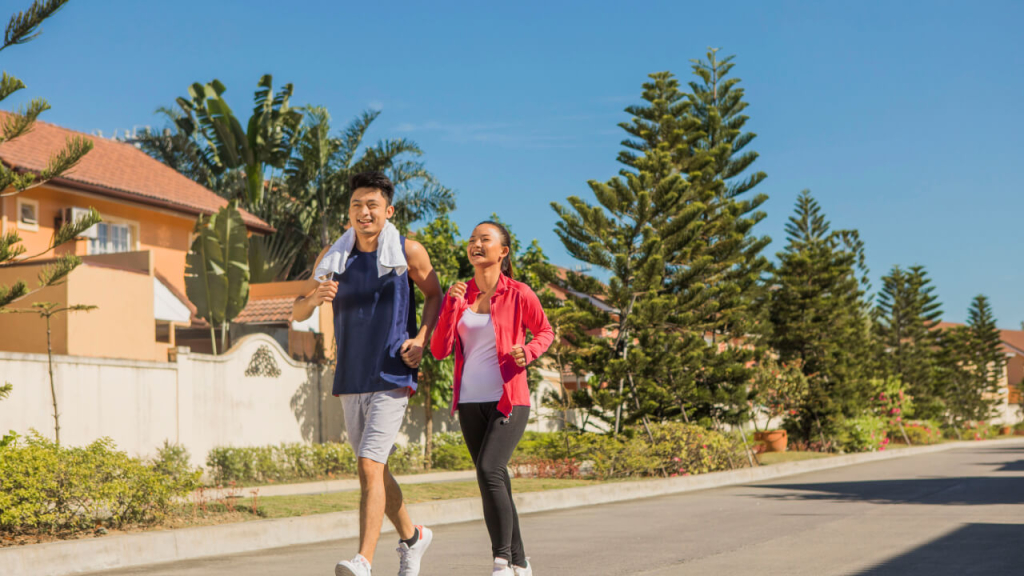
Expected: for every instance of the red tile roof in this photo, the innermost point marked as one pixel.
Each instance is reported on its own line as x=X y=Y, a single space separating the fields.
x=116 y=169
x=267 y=311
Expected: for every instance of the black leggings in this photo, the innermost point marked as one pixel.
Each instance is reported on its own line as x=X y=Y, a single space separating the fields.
x=491 y=439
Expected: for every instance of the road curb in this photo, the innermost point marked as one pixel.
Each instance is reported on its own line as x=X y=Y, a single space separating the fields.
x=95 y=554
x=327 y=486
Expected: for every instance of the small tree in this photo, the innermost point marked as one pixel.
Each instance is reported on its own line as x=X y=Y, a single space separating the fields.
x=48 y=310
x=971 y=366
x=217 y=272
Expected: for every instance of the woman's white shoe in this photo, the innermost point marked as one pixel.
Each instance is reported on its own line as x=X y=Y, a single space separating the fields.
x=528 y=571
x=501 y=568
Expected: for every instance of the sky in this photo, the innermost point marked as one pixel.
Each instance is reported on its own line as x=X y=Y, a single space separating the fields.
x=904 y=119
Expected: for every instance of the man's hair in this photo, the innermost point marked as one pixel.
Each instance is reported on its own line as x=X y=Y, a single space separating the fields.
x=374 y=180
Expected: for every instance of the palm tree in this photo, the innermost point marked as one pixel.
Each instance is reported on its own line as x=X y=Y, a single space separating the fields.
x=318 y=172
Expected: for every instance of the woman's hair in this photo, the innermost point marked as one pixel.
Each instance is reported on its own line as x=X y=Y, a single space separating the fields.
x=506 y=240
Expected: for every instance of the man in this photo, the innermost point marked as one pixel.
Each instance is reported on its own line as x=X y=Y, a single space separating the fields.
x=379 y=350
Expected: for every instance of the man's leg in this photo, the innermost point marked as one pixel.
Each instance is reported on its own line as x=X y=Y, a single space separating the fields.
x=372 y=503
x=395 y=507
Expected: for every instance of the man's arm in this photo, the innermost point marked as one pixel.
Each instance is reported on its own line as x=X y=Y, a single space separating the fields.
x=425 y=278
x=314 y=294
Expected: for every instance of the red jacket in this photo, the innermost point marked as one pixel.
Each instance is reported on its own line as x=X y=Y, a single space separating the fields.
x=514 y=309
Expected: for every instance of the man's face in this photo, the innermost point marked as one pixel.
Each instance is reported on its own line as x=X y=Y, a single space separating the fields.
x=368 y=211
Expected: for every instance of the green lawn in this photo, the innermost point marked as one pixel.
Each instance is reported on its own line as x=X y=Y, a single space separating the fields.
x=780 y=457
x=304 y=505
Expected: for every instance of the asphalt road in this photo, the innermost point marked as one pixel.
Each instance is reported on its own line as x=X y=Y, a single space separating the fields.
x=953 y=513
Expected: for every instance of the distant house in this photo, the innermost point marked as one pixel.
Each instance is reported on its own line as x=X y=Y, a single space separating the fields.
x=134 y=261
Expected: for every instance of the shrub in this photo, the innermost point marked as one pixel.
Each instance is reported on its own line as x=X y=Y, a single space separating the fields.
x=862 y=434
x=678 y=449
x=920 y=432
x=534 y=467
x=407 y=459
x=450 y=452
x=282 y=463
x=60 y=490
x=174 y=461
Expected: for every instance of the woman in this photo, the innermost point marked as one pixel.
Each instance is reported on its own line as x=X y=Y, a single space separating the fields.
x=484 y=322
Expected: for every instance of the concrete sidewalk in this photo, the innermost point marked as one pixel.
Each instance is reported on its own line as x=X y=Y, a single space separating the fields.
x=327 y=486
x=61 y=558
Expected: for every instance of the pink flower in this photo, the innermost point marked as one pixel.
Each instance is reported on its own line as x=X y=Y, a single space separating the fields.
x=674 y=475
x=686 y=474
x=676 y=459
x=705 y=446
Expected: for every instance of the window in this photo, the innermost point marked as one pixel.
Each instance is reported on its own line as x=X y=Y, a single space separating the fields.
x=28 y=215
x=163 y=332
x=111 y=238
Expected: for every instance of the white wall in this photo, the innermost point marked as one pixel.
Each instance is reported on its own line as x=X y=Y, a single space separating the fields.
x=198 y=400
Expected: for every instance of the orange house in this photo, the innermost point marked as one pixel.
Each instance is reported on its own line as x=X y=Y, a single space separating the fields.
x=134 y=261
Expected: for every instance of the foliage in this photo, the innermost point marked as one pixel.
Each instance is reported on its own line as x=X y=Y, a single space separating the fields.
x=906 y=317
x=289 y=168
x=676 y=449
x=407 y=459
x=217 y=268
x=818 y=317
x=174 y=461
x=866 y=433
x=920 y=433
x=778 y=389
x=281 y=463
x=534 y=467
x=24 y=27
x=58 y=490
x=450 y=452
x=972 y=363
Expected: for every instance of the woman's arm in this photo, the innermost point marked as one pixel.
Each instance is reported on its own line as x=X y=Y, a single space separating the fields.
x=536 y=321
x=442 y=343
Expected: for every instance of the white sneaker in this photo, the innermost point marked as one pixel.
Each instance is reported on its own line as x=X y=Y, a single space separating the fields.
x=501 y=568
x=409 y=558
x=357 y=566
x=528 y=571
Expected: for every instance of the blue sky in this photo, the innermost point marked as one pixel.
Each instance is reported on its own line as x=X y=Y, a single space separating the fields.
x=904 y=119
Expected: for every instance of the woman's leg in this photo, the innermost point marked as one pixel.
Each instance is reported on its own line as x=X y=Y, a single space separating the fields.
x=499 y=442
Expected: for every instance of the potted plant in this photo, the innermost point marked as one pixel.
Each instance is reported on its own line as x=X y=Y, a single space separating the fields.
x=777 y=389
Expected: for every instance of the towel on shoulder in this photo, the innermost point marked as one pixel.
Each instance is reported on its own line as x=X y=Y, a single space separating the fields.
x=390 y=255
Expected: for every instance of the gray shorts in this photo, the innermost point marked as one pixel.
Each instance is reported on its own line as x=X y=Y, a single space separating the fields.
x=372 y=421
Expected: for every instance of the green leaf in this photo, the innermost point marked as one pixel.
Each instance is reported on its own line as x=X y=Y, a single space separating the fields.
x=71 y=230
x=24 y=26
x=203 y=285
x=234 y=243
x=53 y=274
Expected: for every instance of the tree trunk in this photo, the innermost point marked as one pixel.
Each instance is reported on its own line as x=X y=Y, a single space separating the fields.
x=53 y=388
x=428 y=428
x=223 y=337
x=213 y=339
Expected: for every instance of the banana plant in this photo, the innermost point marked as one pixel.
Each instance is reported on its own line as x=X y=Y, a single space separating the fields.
x=217 y=270
x=265 y=142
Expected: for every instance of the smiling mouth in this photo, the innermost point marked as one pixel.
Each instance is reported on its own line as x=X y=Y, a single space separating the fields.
x=477 y=253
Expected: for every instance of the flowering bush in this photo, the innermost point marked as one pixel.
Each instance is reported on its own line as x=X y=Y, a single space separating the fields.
x=920 y=432
x=534 y=467
x=777 y=389
x=281 y=463
x=862 y=434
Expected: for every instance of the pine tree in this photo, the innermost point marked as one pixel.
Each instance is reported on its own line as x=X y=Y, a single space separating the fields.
x=701 y=133
x=907 y=315
x=817 y=316
x=971 y=366
x=643 y=220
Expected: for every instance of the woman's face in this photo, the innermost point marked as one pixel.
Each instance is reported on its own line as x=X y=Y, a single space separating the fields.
x=484 y=247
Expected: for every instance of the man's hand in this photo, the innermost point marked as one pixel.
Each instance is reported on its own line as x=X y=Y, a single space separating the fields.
x=325 y=292
x=458 y=291
x=519 y=354
x=412 y=352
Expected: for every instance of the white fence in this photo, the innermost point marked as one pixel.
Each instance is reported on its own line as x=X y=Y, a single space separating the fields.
x=252 y=395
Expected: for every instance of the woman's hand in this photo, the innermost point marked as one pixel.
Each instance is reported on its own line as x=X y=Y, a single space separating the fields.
x=519 y=354
x=458 y=291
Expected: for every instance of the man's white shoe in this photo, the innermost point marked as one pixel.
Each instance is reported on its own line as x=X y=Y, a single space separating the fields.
x=501 y=568
x=357 y=566
x=409 y=558
x=528 y=571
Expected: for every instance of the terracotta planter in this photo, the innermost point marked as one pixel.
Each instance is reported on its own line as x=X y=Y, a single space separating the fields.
x=774 y=440
x=1005 y=431
x=1018 y=432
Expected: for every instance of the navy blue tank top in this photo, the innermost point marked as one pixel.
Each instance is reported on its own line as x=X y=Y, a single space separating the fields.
x=373 y=317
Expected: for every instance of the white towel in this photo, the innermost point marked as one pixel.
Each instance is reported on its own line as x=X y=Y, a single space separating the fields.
x=389 y=254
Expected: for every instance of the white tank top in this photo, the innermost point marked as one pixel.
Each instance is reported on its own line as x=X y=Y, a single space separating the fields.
x=481 y=374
